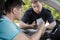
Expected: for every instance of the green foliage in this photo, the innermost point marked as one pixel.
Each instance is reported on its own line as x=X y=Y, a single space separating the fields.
x=58 y=0
x=54 y=12
x=27 y=5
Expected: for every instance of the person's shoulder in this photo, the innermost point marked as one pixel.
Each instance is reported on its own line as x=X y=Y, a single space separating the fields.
x=29 y=11
x=46 y=10
x=4 y=22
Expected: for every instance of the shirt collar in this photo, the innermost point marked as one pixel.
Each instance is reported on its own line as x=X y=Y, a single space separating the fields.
x=6 y=18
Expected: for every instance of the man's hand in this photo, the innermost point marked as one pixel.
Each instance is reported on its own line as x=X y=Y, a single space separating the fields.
x=42 y=25
x=34 y=25
x=51 y=25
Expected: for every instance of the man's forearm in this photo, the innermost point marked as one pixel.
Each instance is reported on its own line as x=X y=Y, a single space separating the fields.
x=51 y=25
x=23 y=25
x=38 y=34
x=27 y=26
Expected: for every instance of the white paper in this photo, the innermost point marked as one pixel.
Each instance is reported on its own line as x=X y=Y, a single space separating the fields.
x=39 y=21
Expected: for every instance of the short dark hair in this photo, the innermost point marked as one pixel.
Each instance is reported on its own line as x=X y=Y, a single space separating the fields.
x=1 y=7
x=12 y=3
x=34 y=1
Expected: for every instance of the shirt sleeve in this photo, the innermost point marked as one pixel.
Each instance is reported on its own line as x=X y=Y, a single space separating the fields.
x=25 y=17
x=8 y=30
x=49 y=16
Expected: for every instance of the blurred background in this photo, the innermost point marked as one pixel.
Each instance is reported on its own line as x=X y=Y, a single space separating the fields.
x=47 y=4
x=55 y=13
